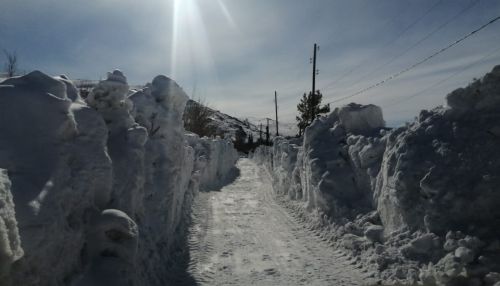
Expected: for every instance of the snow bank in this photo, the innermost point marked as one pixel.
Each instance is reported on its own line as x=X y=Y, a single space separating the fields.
x=329 y=179
x=101 y=188
x=216 y=160
x=418 y=204
x=51 y=158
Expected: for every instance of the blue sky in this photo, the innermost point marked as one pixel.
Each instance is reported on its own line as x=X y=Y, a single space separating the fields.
x=236 y=53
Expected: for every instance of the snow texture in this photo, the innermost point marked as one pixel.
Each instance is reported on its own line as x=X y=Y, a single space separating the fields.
x=216 y=160
x=10 y=243
x=100 y=189
x=112 y=247
x=241 y=236
x=415 y=205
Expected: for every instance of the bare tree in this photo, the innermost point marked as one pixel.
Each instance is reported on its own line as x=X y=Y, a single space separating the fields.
x=197 y=118
x=11 y=65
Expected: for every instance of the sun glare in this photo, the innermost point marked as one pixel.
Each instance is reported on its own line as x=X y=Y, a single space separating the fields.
x=227 y=15
x=190 y=43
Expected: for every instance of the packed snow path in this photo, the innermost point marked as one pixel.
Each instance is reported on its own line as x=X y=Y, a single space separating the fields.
x=241 y=236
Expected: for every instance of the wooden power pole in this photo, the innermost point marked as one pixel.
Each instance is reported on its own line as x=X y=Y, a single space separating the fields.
x=316 y=48
x=267 y=131
x=260 y=133
x=276 y=108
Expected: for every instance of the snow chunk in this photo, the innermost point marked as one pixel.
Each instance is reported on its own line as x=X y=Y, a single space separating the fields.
x=109 y=98
x=10 y=242
x=117 y=76
x=112 y=247
x=71 y=90
x=361 y=119
x=160 y=106
x=113 y=234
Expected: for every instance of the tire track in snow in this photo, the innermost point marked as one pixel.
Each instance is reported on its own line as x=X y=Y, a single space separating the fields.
x=198 y=242
x=242 y=236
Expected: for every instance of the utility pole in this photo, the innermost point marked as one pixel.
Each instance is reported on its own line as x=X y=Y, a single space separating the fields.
x=260 y=133
x=267 y=131
x=315 y=72
x=276 y=108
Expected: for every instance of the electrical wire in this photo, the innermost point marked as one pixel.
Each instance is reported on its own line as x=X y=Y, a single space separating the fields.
x=416 y=21
x=495 y=51
x=394 y=58
x=419 y=62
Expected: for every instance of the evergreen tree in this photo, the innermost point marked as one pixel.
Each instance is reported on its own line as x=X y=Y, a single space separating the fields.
x=250 y=139
x=309 y=109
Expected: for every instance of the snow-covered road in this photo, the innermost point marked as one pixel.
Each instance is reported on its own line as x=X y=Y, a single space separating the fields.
x=241 y=236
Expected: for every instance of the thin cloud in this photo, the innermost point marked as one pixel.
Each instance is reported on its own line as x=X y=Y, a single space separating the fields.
x=237 y=53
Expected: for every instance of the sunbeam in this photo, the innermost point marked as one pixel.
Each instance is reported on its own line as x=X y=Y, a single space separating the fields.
x=175 y=32
x=227 y=15
x=190 y=45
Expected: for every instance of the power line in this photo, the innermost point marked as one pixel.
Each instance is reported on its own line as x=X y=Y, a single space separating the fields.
x=390 y=61
x=416 y=21
x=389 y=43
x=418 y=63
x=443 y=80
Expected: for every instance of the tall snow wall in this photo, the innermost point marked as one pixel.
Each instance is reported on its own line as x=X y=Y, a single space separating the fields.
x=416 y=204
x=96 y=192
x=215 y=160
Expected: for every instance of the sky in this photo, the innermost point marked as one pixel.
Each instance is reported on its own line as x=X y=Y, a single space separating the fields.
x=234 y=54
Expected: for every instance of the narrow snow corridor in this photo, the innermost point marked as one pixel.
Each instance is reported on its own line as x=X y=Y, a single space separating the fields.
x=241 y=236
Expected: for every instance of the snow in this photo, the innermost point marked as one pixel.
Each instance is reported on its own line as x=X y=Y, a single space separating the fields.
x=241 y=236
x=227 y=126
x=50 y=161
x=88 y=177
x=98 y=192
x=326 y=176
x=359 y=119
x=403 y=201
x=10 y=242
x=481 y=95
x=216 y=160
x=112 y=247
x=71 y=90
